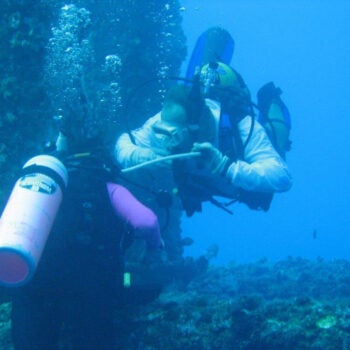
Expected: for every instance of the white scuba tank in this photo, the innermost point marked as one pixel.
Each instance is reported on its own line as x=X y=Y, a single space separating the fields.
x=28 y=218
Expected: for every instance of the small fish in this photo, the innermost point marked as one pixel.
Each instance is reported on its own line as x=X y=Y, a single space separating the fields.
x=314 y=234
x=187 y=241
x=211 y=252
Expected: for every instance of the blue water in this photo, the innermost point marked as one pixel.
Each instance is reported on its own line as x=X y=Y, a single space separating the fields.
x=304 y=47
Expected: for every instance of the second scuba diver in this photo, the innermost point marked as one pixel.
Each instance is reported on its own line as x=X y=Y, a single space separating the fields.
x=214 y=118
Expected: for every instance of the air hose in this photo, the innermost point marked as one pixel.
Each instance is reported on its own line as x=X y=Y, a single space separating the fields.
x=162 y=159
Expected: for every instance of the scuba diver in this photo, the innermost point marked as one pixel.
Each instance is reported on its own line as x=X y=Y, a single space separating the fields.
x=71 y=299
x=233 y=156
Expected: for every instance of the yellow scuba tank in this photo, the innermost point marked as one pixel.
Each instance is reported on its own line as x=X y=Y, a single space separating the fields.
x=275 y=117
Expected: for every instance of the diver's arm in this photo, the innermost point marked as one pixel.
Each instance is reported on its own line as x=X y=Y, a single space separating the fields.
x=128 y=153
x=263 y=169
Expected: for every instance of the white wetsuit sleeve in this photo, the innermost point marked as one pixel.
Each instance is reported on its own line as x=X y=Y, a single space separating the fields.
x=263 y=170
x=128 y=153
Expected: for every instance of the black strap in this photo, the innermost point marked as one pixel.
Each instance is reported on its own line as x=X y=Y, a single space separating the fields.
x=238 y=146
x=45 y=171
x=252 y=124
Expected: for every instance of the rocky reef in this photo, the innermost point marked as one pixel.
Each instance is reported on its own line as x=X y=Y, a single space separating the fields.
x=295 y=304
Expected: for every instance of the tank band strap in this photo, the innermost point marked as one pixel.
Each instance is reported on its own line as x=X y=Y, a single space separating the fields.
x=45 y=171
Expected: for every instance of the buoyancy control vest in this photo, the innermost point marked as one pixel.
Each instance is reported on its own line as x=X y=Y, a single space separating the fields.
x=274 y=117
x=85 y=239
x=231 y=145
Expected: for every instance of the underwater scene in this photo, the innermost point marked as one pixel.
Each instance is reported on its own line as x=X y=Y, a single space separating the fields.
x=174 y=175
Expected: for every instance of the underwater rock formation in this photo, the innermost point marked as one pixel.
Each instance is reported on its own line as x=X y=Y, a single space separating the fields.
x=111 y=47
x=23 y=35
x=295 y=304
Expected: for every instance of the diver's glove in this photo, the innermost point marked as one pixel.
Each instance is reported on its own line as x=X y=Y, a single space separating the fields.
x=211 y=158
x=141 y=155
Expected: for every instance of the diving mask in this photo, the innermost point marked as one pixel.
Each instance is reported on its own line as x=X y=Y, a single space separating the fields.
x=171 y=135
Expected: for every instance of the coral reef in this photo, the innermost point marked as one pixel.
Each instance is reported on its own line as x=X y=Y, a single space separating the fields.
x=5 y=326
x=23 y=35
x=295 y=304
